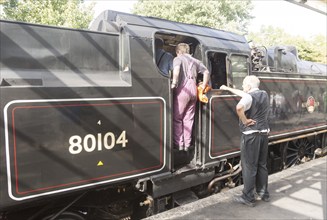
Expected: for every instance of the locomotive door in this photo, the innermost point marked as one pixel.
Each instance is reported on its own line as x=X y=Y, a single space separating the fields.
x=219 y=118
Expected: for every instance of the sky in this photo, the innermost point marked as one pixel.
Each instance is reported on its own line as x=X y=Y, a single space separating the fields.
x=294 y=19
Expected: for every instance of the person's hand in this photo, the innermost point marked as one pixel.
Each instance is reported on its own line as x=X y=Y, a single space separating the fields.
x=206 y=89
x=173 y=85
x=223 y=87
x=202 y=97
x=249 y=122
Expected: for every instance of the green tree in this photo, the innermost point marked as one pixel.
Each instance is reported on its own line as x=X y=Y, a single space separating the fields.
x=312 y=49
x=228 y=15
x=64 y=13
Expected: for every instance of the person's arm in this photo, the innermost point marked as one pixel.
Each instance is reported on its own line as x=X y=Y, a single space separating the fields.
x=234 y=91
x=205 y=72
x=241 y=114
x=206 y=76
x=176 y=71
x=240 y=107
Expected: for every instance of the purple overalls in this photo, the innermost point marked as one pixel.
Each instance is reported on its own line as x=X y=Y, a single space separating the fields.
x=185 y=97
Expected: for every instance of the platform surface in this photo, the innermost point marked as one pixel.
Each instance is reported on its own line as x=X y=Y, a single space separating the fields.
x=298 y=192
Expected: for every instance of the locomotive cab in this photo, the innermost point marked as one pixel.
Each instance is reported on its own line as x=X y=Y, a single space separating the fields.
x=226 y=68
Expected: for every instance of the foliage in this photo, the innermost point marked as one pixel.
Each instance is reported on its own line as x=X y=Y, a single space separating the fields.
x=223 y=14
x=64 y=13
x=313 y=49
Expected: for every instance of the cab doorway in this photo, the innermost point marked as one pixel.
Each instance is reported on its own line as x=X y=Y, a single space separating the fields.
x=217 y=68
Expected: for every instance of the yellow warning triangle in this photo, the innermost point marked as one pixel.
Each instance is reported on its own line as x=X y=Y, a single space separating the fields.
x=100 y=163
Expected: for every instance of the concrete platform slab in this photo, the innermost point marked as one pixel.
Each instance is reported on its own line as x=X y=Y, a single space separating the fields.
x=296 y=193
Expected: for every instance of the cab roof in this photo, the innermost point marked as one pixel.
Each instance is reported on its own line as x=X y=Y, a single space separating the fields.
x=137 y=20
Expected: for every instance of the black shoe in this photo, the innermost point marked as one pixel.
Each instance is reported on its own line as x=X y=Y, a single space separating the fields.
x=190 y=148
x=179 y=148
x=264 y=198
x=239 y=199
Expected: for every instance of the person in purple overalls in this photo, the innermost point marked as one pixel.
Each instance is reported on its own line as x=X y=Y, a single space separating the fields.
x=185 y=71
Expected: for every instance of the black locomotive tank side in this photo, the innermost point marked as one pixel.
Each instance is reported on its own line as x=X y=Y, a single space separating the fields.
x=72 y=115
x=297 y=91
x=298 y=99
x=86 y=117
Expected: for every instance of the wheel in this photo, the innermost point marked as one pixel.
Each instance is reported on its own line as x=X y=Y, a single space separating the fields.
x=297 y=150
x=217 y=187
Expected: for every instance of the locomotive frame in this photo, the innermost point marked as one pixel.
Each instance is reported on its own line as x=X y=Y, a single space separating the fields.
x=86 y=129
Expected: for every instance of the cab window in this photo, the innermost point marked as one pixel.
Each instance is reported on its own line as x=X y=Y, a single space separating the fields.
x=164 y=50
x=239 y=70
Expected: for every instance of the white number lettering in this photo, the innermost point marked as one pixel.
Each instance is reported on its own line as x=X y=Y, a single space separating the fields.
x=122 y=139
x=75 y=144
x=91 y=142
x=99 y=142
x=86 y=143
x=112 y=140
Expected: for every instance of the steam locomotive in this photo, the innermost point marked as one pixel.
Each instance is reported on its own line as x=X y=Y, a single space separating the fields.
x=86 y=117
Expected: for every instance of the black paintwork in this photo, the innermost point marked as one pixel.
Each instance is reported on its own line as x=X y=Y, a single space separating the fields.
x=59 y=83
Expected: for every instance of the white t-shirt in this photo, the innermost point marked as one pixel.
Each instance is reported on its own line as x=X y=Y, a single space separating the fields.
x=246 y=100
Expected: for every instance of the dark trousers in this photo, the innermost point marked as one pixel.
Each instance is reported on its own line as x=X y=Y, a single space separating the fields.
x=254 y=152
